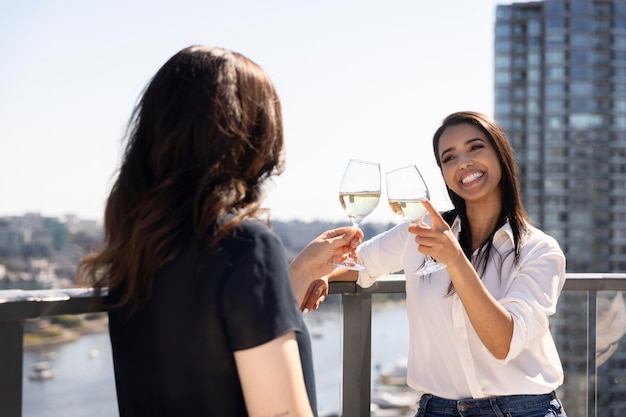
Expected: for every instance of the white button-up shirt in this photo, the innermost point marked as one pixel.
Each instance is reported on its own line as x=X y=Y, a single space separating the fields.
x=446 y=357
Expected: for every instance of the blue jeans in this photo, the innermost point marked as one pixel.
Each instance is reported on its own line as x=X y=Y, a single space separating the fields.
x=502 y=406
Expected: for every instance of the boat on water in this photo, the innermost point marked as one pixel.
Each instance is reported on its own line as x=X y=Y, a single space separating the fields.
x=395 y=375
x=316 y=333
x=48 y=356
x=41 y=371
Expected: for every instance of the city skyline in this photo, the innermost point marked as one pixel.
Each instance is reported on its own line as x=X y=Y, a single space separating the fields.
x=356 y=80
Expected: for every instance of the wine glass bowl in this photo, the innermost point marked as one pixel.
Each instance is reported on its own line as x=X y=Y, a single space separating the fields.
x=358 y=204
x=410 y=210
x=359 y=194
x=406 y=192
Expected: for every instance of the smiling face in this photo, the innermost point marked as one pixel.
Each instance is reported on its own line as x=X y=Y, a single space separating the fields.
x=470 y=164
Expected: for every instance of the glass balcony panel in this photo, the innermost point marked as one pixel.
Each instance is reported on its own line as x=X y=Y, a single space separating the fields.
x=588 y=326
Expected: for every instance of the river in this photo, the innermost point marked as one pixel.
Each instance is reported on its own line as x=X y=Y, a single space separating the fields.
x=83 y=383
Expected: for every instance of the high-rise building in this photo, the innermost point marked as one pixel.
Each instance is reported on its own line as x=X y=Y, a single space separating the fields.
x=560 y=95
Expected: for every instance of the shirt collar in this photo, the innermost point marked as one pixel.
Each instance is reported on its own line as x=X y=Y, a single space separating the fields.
x=505 y=230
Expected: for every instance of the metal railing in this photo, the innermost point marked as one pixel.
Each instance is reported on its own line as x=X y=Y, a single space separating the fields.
x=16 y=307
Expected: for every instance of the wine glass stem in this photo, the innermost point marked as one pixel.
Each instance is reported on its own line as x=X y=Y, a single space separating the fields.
x=356 y=221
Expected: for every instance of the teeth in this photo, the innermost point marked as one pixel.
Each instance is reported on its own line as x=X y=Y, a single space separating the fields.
x=471 y=177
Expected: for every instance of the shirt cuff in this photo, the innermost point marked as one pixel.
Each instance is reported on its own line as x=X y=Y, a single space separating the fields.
x=365 y=280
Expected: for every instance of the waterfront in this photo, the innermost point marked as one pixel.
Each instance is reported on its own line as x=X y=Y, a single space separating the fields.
x=83 y=383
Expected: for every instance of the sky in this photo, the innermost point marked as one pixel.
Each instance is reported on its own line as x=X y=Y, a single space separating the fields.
x=359 y=79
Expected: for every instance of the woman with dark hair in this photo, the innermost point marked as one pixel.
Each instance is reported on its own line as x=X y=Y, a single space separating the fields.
x=202 y=314
x=480 y=343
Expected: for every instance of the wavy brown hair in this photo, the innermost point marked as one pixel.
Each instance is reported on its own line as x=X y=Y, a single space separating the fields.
x=203 y=139
x=512 y=208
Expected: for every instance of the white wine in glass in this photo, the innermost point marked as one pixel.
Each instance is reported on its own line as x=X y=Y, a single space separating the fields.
x=359 y=194
x=406 y=191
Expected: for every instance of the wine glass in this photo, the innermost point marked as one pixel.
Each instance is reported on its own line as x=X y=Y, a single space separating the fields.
x=406 y=191
x=359 y=194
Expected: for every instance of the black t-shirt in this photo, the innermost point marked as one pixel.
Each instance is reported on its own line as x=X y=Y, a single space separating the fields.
x=174 y=355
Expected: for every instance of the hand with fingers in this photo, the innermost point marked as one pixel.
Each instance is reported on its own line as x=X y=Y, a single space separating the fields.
x=437 y=240
x=314 y=262
x=316 y=294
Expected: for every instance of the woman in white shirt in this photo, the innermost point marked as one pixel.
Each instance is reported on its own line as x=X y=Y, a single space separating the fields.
x=479 y=337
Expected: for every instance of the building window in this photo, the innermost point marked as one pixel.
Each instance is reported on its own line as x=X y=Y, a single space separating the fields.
x=503 y=31
x=556 y=39
x=534 y=28
x=519 y=62
x=533 y=75
x=502 y=77
x=580 y=40
x=502 y=61
x=555 y=137
x=585 y=120
x=579 y=24
x=555 y=8
x=555 y=57
x=600 y=9
x=581 y=89
x=579 y=72
x=504 y=108
x=533 y=91
x=555 y=73
x=557 y=151
x=579 y=105
x=602 y=73
x=555 y=122
x=502 y=46
x=599 y=57
x=579 y=57
x=555 y=89
x=518 y=123
x=532 y=107
x=502 y=93
x=554 y=105
x=601 y=39
x=533 y=58
x=555 y=23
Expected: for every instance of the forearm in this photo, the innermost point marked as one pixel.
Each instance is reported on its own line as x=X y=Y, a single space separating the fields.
x=491 y=321
x=300 y=277
x=342 y=274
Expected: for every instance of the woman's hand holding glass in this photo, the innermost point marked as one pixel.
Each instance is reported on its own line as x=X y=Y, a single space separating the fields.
x=407 y=192
x=308 y=270
x=437 y=240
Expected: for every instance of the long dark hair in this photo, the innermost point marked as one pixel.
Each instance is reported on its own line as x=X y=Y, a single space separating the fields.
x=203 y=139
x=512 y=208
